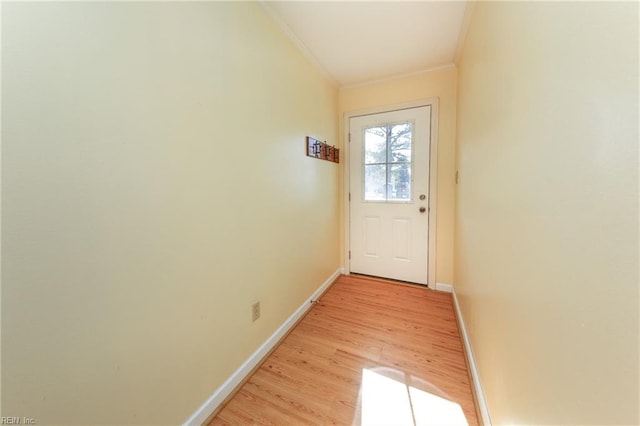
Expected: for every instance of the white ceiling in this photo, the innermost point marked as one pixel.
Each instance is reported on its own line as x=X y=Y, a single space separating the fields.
x=361 y=41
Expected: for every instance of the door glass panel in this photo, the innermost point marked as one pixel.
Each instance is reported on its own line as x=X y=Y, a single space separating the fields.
x=375 y=146
x=400 y=143
x=387 y=162
x=399 y=184
x=375 y=176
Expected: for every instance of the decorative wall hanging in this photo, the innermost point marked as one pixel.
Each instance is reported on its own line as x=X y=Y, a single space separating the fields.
x=322 y=150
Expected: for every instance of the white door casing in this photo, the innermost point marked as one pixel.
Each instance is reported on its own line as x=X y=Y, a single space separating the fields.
x=389 y=234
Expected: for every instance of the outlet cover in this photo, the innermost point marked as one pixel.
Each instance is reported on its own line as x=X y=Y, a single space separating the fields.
x=255 y=311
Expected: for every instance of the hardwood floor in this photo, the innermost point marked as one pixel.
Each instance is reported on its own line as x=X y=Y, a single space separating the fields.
x=369 y=352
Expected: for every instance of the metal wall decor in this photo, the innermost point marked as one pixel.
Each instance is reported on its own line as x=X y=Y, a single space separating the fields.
x=322 y=150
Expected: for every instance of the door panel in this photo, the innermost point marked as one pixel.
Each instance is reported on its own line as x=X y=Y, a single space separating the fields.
x=389 y=172
x=401 y=239
x=372 y=236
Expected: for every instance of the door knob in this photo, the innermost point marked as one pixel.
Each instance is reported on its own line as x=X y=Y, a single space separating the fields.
x=423 y=209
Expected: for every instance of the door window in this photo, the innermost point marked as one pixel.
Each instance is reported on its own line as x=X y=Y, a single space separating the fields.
x=387 y=162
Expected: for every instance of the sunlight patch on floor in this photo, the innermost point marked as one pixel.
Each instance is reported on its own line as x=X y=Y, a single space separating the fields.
x=387 y=399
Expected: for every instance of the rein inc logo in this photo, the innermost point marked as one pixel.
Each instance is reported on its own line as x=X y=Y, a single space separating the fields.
x=5 y=420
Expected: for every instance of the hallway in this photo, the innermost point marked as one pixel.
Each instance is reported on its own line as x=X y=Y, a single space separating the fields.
x=164 y=228
x=369 y=352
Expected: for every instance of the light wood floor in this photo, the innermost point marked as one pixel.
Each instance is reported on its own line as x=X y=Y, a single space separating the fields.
x=369 y=352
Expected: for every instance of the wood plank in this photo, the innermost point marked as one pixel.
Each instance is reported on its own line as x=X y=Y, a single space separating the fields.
x=405 y=333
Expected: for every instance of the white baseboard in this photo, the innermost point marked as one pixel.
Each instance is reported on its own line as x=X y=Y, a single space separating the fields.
x=482 y=403
x=447 y=288
x=220 y=394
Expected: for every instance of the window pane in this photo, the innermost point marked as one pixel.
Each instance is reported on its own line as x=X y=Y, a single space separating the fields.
x=375 y=177
x=399 y=182
x=400 y=143
x=375 y=145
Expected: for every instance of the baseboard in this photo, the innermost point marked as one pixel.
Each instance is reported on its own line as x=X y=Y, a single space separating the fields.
x=447 y=288
x=220 y=394
x=477 y=387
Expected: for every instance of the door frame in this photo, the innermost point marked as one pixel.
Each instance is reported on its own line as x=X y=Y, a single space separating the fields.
x=433 y=181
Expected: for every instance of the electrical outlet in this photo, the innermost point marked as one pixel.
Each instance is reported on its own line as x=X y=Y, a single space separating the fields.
x=255 y=311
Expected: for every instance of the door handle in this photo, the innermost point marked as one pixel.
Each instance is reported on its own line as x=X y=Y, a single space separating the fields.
x=423 y=209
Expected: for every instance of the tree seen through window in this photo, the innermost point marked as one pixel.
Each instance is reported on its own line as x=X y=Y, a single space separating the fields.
x=387 y=162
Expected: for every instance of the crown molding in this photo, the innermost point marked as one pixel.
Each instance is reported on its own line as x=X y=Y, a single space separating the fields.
x=306 y=52
x=400 y=76
x=464 y=29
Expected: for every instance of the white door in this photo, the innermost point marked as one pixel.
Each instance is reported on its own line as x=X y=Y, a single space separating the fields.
x=389 y=193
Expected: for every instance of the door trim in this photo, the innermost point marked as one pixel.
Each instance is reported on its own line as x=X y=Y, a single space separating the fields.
x=433 y=179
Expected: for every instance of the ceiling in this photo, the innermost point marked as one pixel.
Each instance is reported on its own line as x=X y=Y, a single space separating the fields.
x=362 y=41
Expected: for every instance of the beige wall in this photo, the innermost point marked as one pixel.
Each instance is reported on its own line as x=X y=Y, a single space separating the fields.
x=440 y=84
x=547 y=209
x=154 y=186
